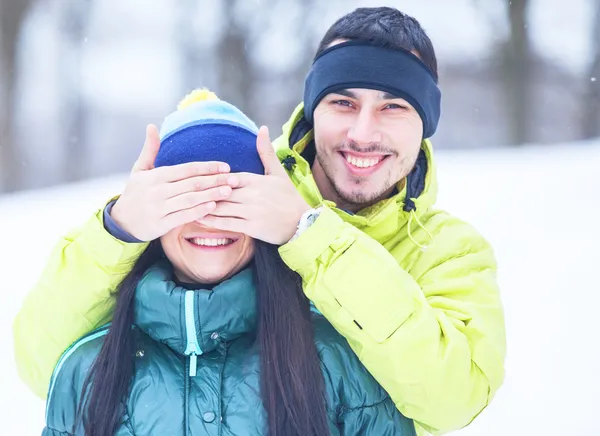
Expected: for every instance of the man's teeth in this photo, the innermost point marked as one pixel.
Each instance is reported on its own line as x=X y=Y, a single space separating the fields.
x=362 y=163
x=205 y=242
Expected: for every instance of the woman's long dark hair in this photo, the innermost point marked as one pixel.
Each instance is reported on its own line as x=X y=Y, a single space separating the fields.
x=101 y=409
x=292 y=386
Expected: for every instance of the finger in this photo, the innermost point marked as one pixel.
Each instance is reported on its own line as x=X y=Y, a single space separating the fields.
x=195 y=184
x=146 y=159
x=192 y=199
x=242 y=180
x=175 y=173
x=236 y=225
x=267 y=153
x=185 y=216
x=231 y=210
x=246 y=195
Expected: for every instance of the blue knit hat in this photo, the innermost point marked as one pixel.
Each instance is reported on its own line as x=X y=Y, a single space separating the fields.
x=204 y=129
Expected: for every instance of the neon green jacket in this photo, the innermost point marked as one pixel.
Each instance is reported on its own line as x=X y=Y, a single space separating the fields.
x=413 y=290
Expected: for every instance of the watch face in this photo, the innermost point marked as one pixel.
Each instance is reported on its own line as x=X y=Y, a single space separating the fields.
x=311 y=216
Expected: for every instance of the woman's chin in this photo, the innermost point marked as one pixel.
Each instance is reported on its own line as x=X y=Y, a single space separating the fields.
x=210 y=276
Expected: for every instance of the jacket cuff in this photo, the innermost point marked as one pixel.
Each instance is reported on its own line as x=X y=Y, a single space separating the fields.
x=104 y=247
x=310 y=244
x=111 y=226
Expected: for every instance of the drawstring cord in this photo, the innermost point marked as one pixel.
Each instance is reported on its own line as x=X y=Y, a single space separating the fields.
x=414 y=216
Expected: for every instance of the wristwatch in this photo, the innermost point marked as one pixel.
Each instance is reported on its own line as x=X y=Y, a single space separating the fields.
x=306 y=220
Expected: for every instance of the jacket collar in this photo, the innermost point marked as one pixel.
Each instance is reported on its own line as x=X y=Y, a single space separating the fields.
x=179 y=317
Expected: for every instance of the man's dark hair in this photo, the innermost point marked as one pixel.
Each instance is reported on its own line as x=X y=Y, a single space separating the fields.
x=386 y=27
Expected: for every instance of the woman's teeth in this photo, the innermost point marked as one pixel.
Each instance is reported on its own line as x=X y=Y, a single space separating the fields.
x=362 y=163
x=205 y=242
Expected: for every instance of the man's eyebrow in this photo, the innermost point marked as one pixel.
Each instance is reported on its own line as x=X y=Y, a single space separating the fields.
x=389 y=96
x=346 y=93
x=350 y=94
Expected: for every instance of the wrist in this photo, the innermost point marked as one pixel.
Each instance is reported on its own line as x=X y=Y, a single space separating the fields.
x=307 y=218
x=112 y=227
x=117 y=216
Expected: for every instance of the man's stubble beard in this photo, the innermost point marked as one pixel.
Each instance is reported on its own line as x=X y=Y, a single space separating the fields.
x=356 y=200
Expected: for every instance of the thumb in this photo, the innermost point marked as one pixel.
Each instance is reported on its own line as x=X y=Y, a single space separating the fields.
x=267 y=153
x=146 y=159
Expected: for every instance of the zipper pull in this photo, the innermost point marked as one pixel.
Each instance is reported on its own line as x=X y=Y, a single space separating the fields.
x=192 y=348
x=193 y=364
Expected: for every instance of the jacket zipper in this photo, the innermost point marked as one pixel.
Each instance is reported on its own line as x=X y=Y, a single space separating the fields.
x=186 y=401
x=192 y=348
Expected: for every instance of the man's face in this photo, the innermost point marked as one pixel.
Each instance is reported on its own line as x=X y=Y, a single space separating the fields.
x=366 y=141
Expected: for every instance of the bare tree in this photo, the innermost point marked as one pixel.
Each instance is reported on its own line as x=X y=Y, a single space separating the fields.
x=192 y=73
x=591 y=98
x=227 y=66
x=74 y=23
x=235 y=69
x=517 y=67
x=12 y=15
x=306 y=36
x=283 y=86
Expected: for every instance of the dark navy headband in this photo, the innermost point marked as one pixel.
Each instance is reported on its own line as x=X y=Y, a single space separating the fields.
x=357 y=64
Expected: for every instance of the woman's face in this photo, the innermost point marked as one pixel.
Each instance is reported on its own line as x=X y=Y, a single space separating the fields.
x=203 y=255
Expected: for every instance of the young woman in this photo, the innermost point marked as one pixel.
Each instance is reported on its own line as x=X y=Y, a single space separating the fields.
x=212 y=334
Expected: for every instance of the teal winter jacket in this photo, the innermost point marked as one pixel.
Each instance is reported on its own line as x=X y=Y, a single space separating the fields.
x=216 y=392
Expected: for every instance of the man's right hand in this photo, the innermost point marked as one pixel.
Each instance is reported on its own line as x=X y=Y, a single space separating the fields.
x=156 y=200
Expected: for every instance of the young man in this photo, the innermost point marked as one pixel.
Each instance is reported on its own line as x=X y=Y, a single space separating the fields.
x=349 y=196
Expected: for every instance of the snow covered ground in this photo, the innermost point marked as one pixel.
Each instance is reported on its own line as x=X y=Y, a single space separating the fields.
x=538 y=206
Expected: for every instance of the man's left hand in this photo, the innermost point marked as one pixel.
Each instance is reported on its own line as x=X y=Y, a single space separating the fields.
x=266 y=207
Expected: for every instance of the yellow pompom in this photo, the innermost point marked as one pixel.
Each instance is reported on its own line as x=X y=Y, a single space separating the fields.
x=195 y=96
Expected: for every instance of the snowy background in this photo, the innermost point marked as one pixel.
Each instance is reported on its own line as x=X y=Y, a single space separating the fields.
x=90 y=78
x=539 y=208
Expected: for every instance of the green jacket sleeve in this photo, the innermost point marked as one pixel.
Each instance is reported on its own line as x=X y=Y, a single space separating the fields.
x=434 y=338
x=73 y=296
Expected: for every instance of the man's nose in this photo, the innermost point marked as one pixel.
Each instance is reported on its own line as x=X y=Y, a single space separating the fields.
x=365 y=128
